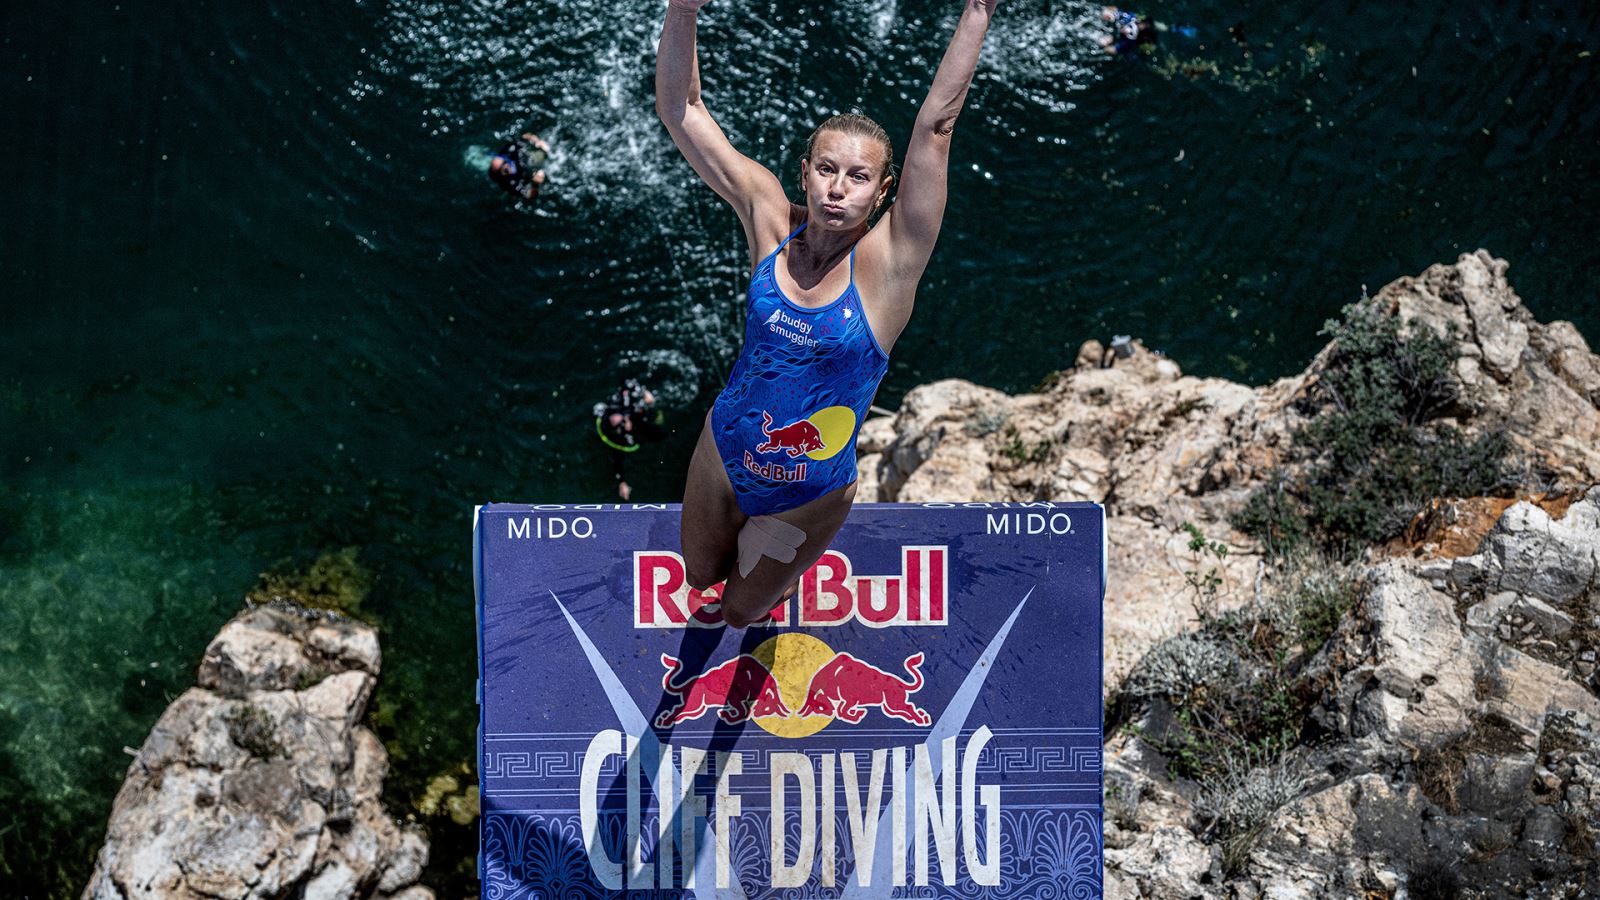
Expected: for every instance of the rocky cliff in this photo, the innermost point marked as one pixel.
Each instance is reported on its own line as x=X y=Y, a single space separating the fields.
x=1424 y=722
x=1159 y=448
x=261 y=782
x=1439 y=734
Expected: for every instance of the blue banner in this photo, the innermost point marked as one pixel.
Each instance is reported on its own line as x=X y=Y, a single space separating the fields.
x=922 y=718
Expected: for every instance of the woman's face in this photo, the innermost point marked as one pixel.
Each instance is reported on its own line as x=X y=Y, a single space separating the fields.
x=844 y=179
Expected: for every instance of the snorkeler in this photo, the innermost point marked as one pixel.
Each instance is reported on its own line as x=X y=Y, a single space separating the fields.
x=1130 y=30
x=625 y=420
x=519 y=166
x=774 y=472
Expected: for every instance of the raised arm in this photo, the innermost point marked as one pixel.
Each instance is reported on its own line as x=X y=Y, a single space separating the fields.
x=919 y=204
x=746 y=184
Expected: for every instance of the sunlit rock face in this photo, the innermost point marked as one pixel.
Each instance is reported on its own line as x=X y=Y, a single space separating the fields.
x=1451 y=742
x=260 y=781
x=1126 y=428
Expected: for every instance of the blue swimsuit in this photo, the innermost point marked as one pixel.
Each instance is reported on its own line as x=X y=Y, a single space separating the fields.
x=786 y=424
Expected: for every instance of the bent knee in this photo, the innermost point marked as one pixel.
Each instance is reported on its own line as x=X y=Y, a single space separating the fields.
x=702 y=577
x=743 y=609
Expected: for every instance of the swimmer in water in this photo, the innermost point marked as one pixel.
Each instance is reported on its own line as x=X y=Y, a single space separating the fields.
x=518 y=166
x=774 y=473
x=624 y=421
x=1130 y=30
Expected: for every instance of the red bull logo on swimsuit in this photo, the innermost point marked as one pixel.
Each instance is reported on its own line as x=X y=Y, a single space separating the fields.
x=795 y=439
x=818 y=436
x=922 y=716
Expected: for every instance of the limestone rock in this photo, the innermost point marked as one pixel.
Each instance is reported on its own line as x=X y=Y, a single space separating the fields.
x=1539 y=382
x=876 y=433
x=1404 y=668
x=261 y=782
x=1164 y=862
x=1159 y=448
x=1334 y=842
x=1455 y=710
x=1553 y=560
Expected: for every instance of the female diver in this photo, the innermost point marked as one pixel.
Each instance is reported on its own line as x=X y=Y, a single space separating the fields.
x=774 y=473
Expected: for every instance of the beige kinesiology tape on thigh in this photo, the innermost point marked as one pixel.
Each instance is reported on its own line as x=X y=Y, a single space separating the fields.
x=767 y=536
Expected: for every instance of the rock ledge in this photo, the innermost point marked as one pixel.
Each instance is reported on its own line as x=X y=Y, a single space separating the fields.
x=260 y=782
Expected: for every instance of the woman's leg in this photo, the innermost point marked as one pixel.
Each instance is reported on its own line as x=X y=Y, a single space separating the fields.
x=748 y=598
x=711 y=519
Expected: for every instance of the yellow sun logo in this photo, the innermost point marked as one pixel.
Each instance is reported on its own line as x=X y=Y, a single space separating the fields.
x=836 y=424
x=793 y=658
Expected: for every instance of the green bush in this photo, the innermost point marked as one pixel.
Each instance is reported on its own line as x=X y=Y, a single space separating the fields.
x=1232 y=683
x=1019 y=451
x=1369 y=456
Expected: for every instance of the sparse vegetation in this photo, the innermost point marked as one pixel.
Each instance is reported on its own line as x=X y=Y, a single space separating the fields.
x=987 y=422
x=1228 y=701
x=1019 y=451
x=1371 y=455
x=1239 y=801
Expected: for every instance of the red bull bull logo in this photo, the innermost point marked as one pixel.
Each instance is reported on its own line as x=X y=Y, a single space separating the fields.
x=817 y=436
x=830 y=593
x=738 y=689
x=847 y=687
x=795 y=439
x=752 y=686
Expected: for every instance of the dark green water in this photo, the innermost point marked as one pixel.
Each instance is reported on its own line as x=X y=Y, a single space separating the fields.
x=257 y=301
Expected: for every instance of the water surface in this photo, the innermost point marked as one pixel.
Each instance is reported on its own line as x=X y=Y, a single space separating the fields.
x=261 y=304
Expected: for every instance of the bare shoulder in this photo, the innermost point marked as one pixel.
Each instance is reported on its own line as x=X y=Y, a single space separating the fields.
x=769 y=224
x=877 y=271
x=888 y=292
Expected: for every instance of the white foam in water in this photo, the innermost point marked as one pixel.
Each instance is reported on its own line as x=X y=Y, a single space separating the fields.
x=1046 y=54
x=476 y=157
x=581 y=73
x=671 y=374
x=883 y=16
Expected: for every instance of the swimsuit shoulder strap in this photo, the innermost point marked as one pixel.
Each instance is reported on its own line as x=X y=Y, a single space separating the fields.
x=791 y=237
x=772 y=257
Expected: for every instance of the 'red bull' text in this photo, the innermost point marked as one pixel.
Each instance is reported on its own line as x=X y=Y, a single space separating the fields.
x=830 y=593
x=774 y=471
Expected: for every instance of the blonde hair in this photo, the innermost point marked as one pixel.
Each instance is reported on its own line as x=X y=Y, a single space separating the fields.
x=859 y=126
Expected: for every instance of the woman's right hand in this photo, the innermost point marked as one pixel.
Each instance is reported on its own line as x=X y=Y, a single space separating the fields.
x=688 y=5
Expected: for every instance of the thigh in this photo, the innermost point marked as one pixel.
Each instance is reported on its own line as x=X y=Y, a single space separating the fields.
x=709 y=529
x=821 y=519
